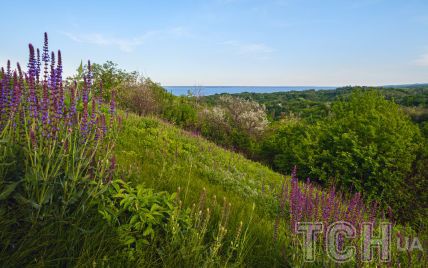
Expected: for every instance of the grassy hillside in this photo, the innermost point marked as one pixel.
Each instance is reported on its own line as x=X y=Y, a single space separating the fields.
x=161 y=156
x=164 y=157
x=85 y=185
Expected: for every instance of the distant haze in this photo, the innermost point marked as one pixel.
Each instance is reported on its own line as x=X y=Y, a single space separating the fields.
x=211 y=90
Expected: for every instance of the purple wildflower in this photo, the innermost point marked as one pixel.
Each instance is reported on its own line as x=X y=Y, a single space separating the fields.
x=84 y=122
x=32 y=63
x=72 y=110
x=60 y=95
x=93 y=113
x=33 y=139
x=38 y=66
x=103 y=125
x=45 y=57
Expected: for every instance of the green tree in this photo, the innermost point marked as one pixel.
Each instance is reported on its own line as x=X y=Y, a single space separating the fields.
x=368 y=144
x=284 y=145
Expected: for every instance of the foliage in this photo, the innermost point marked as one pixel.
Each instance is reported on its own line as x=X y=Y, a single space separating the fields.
x=139 y=216
x=56 y=157
x=144 y=98
x=368 y=144
x=181 y=111
x=165 y=158
x=110 y=76
x=234 y=122
x=313 y=105
x=284 y=145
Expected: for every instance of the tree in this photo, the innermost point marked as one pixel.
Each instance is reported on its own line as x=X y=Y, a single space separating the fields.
x=368 y=144
x=284 y=145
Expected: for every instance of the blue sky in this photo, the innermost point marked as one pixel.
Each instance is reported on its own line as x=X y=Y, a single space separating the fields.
x=232 y=42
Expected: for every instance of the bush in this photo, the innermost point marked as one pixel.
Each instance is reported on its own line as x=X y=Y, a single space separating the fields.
x=145 y=98
x=235 y=122
x=284 y=146
x=182 y=112
x=368 y=144
x=139 y=216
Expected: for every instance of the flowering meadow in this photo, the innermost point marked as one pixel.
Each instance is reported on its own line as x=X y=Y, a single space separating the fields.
x=80 y=186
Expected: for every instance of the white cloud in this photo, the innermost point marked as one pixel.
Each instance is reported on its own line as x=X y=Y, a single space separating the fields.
x=125 y=44
x=259 y=50
x=422 y=60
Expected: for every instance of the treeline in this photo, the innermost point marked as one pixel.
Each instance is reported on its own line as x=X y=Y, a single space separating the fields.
x=313 y=104
x=355 y=139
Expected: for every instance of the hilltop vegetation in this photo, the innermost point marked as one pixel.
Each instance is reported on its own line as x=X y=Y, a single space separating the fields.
x=314 y=104
x=108 y=169
x=356 y=139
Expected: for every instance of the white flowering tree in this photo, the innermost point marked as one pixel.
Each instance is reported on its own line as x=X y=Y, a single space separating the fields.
x=247 y=115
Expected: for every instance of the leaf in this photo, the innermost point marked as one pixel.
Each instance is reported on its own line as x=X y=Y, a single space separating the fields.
x=148 y=231
x=155 y=207
x=129 y=241
x=8 y=190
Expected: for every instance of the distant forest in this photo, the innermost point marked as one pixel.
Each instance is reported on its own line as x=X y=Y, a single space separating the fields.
x=314 y=104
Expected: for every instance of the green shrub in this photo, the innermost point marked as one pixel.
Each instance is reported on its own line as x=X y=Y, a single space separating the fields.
x=368 y=145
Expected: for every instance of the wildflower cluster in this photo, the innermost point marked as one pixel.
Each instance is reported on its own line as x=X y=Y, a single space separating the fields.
x=310 y=204
x=60 y=132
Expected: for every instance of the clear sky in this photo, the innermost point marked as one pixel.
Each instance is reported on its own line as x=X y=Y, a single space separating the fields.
x=231 y=42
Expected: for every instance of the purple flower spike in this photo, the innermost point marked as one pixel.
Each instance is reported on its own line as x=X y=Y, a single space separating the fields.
x=45 y=57
x=72 y=110
x=60 y=97
x=38 y=66
x=32 y=63
x=33 y=139
x=85 y=100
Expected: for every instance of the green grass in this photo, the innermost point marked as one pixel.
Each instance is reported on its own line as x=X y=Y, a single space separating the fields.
x=161 y=156
x=164 y=157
